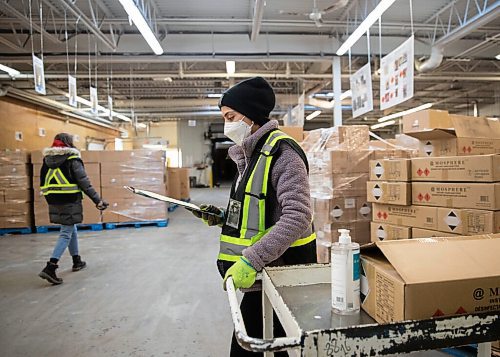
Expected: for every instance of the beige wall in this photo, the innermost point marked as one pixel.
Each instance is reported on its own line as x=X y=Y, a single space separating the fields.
x=19 y=116
x=166 y=130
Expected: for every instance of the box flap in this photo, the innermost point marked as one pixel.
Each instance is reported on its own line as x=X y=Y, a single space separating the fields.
x=433 y=134
x=427 y=260
x=472 y=127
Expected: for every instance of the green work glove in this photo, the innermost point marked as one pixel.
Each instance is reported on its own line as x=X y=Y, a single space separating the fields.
x=243 y=274
x=210 y=219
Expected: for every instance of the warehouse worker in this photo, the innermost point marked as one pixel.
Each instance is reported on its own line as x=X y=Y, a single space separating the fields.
x=268 y=220
x=62 y=181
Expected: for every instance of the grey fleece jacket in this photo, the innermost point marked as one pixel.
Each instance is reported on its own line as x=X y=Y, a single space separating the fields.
x=292 y=214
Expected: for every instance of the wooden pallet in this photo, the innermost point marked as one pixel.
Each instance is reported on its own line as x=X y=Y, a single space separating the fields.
x=80 y=227
x=24 y=230
x=138 y=224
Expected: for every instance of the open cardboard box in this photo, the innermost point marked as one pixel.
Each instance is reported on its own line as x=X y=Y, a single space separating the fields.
x=467 y=136
x=429 y=277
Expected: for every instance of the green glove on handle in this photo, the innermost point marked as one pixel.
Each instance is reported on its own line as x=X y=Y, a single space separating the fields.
x=210 y=219
x=243 y=274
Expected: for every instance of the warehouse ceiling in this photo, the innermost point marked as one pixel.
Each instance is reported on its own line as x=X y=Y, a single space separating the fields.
x=289 y=42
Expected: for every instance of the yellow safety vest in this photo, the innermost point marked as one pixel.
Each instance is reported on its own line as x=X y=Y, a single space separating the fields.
x=253 y=219
x=56 y=183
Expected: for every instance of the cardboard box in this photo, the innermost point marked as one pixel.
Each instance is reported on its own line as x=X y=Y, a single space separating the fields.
x=90 y=156
x=9 y=157
x=37 y=157
x=395 y=193
x=359 y=231
x=382 y=231
x=391 y=154
x=409 y=216
x=427 y=233
x=14 y=209
x=480 y=168
x=346 y=161
x=91 y=214
x=15 y=182
x=468 y=136
x=458 y=276
x=15 y=196
x=426 y=120
x=116 y=193
x=459 y=195
x=15 y=170
x=344 y=209
x=178 y=183
x=390 y=170
x=141 y=167
x=296 y=132
x=17 y=221
x=131 y=156
x=466 y=221
x=349 y=184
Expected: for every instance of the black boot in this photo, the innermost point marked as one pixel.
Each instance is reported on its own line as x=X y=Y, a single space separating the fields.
x=49 y=273
x=78 y=264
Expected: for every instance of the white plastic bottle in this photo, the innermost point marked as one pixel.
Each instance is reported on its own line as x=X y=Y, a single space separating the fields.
x=345 y=275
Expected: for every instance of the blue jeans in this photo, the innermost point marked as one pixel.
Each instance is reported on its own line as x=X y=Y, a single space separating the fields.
x=68 y=238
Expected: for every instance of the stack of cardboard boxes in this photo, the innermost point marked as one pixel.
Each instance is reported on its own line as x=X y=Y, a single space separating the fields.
x=142 y=169
x=455 y=187
x=389 y=184
x=15 y=190
x=108 y=172
x=338 y=174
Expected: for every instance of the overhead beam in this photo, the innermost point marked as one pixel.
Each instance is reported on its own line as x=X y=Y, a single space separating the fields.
x=88 y=23
x=8 y=9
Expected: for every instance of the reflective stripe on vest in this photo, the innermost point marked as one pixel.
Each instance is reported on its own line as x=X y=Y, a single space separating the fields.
x=61 y=185
x=253 y=225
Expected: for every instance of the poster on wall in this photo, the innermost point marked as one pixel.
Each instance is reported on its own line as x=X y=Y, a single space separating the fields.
x=361 y=87
x=396 y=77
x=72 y=91
x=93 y=100
x=39 y=75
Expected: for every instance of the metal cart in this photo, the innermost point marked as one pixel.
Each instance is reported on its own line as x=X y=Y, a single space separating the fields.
x=300 y=296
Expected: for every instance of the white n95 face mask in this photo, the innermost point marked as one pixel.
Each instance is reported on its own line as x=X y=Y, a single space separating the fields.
x=237 y=131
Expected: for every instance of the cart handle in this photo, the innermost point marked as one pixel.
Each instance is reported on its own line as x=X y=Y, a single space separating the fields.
x=252 y=343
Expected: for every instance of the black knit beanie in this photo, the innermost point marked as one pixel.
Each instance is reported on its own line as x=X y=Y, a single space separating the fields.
x=254 y=98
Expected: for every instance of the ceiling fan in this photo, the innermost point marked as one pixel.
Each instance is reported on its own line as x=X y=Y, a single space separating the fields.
x=316 y=14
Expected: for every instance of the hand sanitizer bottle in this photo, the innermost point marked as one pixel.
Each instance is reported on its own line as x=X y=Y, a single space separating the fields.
x=345 y=275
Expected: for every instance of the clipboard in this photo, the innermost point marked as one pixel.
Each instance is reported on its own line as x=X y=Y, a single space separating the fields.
x=187 y=205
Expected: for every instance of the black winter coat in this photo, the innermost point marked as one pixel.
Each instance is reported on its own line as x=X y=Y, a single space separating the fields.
x=67 y=209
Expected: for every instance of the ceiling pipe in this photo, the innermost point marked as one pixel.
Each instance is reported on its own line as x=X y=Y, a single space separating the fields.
x=437 y=51
x=488 y=77
x=432 y=62
x=258 y=12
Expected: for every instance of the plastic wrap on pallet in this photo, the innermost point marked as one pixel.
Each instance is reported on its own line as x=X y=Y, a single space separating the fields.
x=135 y=210
x=15 y=215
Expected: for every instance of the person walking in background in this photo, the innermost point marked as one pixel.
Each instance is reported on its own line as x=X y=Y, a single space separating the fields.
x=268 y=220
x=62 y=181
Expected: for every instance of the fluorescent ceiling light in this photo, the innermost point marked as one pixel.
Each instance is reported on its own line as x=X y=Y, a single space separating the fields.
x=381 y=125
x=405 y=112
x=313 y=115
x=346 y=94
x=230 y=67
x=325 y=104
x=498 y=57
x=214 y=95
x=365 y=25
x=140 y=22
x=140 y=126
x=11 y=71
x=154 y=146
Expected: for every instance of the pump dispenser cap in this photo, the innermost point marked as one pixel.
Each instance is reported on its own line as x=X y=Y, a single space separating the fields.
x=344 y=237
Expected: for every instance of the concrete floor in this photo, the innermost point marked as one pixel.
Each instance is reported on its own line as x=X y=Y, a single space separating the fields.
x=146 y=292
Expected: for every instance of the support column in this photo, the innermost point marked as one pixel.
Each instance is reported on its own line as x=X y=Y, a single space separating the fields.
x=337 y=81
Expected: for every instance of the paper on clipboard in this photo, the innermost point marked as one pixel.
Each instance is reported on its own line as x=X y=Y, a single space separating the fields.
x=156 y=196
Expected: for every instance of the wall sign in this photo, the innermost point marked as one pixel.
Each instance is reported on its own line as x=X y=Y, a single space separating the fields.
x=361 y=87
